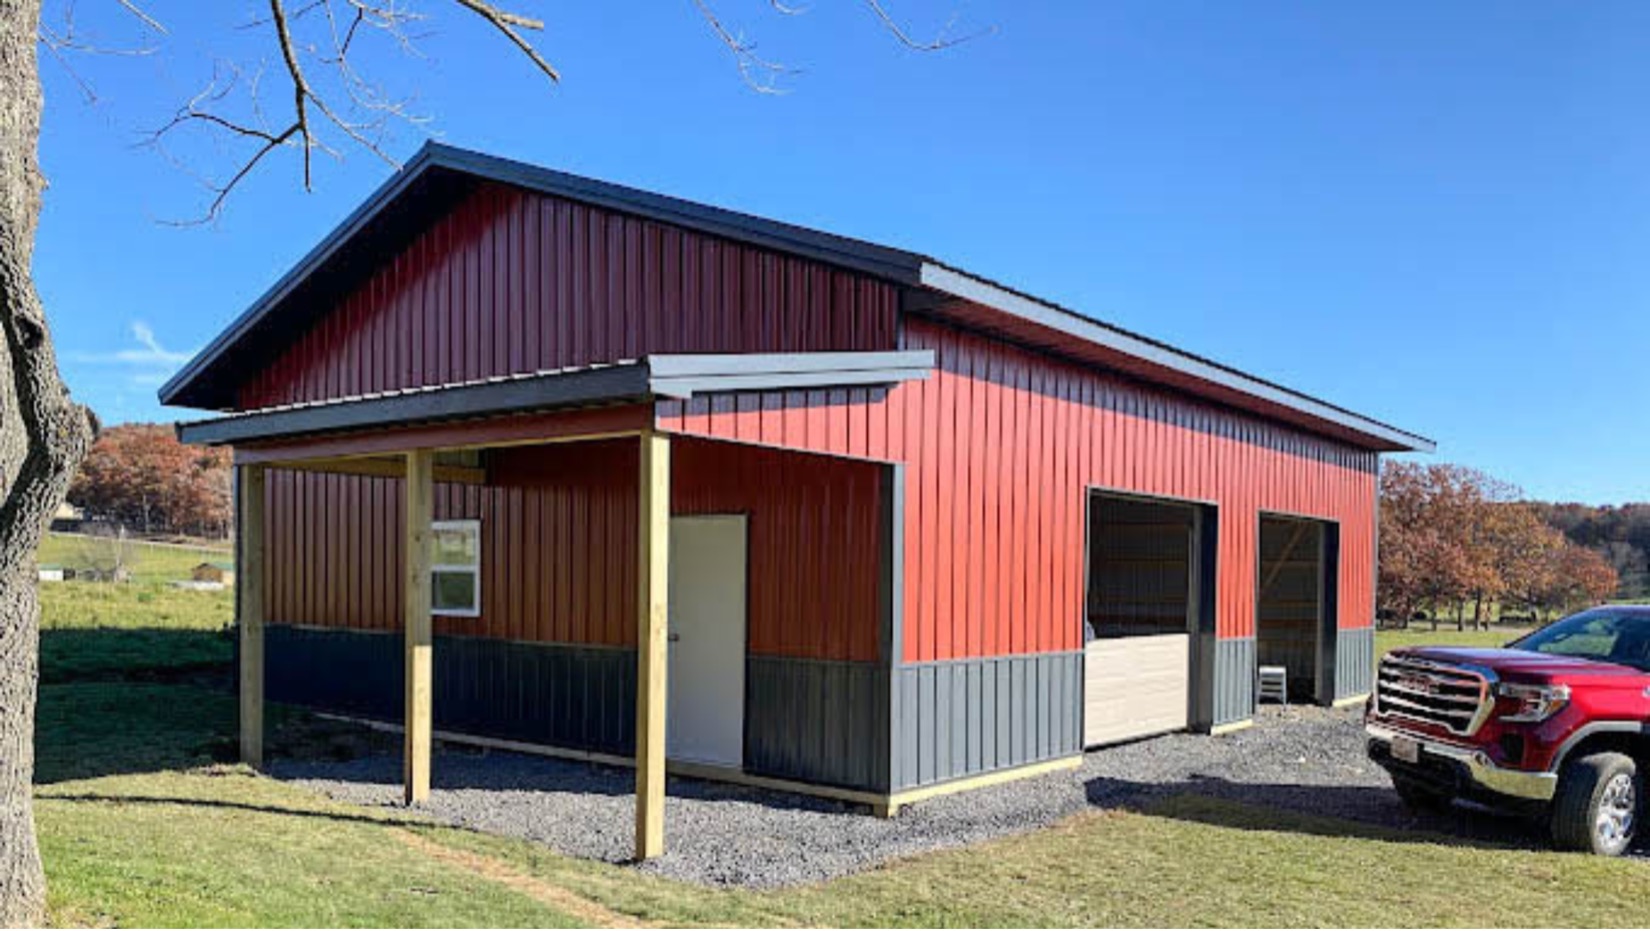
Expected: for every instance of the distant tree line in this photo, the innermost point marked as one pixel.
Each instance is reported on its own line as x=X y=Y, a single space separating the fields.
x=139 y=477
x=1455 y=539
x=1621 y=534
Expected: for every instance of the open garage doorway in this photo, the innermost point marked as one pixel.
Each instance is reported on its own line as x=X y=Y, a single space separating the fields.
x=1149 y=616
x=1295 y=604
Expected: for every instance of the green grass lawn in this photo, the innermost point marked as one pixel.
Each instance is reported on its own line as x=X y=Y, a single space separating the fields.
x=1422 y=634
x=143 y=629
x=143 y=821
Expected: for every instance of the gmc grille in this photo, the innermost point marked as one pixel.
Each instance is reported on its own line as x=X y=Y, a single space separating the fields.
x=1452 y=697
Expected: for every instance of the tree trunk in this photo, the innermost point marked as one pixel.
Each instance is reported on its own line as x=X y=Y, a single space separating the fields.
x=43 y=437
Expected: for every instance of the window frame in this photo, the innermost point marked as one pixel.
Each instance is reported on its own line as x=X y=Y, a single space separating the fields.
x=467 y=525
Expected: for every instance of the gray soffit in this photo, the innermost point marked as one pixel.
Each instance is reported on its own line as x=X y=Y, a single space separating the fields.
x=1022 y=316
x=669 y=376
x=440 y=176
x=686 y=375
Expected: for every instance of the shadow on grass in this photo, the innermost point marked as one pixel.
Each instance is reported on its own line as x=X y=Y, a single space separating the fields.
x=1363 y=812
x=100 y=798
x=141 y=654
x=88 y=729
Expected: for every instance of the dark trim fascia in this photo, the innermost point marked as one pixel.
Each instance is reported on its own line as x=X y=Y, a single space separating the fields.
x=673 y=376
x=447 y=166
x=896 y=265
x=606 y=385
x=324 y=251
x=984 y=293
x=879 y=261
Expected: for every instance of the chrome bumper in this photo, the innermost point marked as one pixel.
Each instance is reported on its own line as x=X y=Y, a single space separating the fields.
x=1484 y=772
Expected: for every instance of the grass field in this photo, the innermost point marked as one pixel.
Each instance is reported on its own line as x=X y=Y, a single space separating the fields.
x=143 y=821
x=1421 y=634
x=148 y=562
x=145 y=628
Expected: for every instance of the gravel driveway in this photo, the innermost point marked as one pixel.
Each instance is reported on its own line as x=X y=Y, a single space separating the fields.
x=1304 y=759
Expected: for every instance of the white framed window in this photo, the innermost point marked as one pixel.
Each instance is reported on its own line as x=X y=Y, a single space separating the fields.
x=455 y=568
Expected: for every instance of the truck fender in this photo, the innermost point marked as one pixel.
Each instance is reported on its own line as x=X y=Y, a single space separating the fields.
x=1592 y=729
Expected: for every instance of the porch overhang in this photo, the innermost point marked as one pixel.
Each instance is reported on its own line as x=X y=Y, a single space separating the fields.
x=622 y=383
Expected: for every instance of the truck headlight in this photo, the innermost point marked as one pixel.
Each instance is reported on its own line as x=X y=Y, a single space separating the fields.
x=1531 y=703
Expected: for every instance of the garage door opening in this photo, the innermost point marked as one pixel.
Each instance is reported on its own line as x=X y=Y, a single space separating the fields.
x=1295 y=604
x=1149 y=609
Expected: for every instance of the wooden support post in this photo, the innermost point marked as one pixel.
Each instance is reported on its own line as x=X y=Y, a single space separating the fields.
x=249 y=608
x=420 y=489
x=652 y=650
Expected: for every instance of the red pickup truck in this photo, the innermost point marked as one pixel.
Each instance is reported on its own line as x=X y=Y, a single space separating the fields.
x=1557 y=725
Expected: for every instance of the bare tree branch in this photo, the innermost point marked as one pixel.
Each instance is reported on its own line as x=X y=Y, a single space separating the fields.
x=940 y=41
x=758 y=73
x=145 y=18
x=509 y=24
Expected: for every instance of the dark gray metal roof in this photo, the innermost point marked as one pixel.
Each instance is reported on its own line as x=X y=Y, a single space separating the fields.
x=658 y=376
x=440 y=175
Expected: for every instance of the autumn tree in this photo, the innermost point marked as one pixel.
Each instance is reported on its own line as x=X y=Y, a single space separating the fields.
x=317 y=101
x=141 y=477
x=1582 y=578
x=1434 y=537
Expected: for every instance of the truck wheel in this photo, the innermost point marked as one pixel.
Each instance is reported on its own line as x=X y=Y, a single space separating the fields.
x=1596 y=806
x=1418 y=796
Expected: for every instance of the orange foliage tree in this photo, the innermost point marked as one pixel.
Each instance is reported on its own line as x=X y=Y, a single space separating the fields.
x=140 y=476
x=1450 y=535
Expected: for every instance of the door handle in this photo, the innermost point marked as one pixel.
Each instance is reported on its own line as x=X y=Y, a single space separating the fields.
x=673 y=637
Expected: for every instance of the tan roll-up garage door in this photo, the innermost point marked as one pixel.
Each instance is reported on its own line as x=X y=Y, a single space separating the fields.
x=1135 y=687
x=1137 y=665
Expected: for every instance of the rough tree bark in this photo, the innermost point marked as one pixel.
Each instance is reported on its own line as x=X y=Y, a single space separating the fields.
x=43 y=437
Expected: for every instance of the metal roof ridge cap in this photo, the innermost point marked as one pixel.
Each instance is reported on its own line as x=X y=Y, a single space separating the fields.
x=971 y=287
x=678 y=210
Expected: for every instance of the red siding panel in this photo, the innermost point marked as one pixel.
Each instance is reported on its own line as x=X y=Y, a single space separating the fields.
x=559 y=544
x=1015 y=437
x=512 y=281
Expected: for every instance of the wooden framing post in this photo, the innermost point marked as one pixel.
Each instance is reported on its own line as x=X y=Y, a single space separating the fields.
x=652 y=648
x=420 y=490
x=249 y=608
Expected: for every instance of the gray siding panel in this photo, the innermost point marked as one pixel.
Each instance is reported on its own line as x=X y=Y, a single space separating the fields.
x=561 y=695
x=1234 y=680
x=817 y=721
x=1354 y=662
x=966 y=717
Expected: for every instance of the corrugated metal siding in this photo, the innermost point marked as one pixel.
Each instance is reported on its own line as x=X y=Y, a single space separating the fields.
x=1000 y=445
x=1234 y=680
x=559 y=695
x=965 y=717
x=817 y=721
x=815 y=532
x=1354 y=662
x=516 y=282
x=558 y=554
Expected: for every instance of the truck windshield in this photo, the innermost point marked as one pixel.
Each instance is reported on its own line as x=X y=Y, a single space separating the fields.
x=1609 y=636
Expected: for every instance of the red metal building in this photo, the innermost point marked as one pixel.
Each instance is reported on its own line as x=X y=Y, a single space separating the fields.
x=918 y=530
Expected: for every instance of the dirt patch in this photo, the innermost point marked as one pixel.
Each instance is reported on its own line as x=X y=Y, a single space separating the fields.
x=593 y=914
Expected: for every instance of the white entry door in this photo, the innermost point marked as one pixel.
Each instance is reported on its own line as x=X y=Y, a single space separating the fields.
x=706 y=707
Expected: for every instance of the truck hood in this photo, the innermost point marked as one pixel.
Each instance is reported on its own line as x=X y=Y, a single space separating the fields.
x=1524 y=665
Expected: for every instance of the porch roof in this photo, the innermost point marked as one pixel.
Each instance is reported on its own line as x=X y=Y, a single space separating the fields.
x=631 y=381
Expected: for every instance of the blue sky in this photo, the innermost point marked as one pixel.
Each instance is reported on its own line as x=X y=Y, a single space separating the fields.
x=1435 y=214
